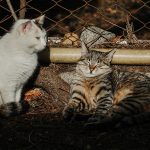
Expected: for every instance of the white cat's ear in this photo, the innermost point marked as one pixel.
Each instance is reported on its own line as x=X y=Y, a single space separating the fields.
x=39 y=20
x=84 y=50
x=26 y=27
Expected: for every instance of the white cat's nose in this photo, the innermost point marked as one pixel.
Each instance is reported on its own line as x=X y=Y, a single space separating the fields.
x=45 y=45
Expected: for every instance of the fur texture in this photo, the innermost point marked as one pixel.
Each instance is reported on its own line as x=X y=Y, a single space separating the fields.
x=114 y=98
x=18 y=61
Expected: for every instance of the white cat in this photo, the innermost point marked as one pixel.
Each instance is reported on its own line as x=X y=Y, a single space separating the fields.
x=18 y=61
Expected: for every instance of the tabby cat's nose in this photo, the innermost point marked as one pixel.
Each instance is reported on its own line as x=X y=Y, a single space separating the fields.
x=92 y=67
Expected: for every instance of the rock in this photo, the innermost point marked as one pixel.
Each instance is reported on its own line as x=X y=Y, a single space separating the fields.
x=93 y=35
x=71 y=39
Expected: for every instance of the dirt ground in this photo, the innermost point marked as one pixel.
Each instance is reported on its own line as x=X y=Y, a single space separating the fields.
x=42 y=128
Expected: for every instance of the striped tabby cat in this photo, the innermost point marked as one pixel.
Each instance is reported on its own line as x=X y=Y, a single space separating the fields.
x=114 y=97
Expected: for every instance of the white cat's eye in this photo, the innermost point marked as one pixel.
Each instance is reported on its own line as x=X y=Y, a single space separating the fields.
x=37 y=38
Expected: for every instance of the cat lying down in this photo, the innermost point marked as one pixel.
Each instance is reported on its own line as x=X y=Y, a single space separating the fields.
x=112 y=97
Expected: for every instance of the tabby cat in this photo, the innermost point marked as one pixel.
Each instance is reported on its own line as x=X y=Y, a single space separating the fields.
x=18 y=61
x=113 y=97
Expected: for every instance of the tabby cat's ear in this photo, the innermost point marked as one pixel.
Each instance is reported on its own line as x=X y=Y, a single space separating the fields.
x=109 y=55
x=84 y=50
x=39 y=20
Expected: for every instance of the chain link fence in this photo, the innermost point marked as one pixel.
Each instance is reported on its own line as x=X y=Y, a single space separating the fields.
x=67 y=18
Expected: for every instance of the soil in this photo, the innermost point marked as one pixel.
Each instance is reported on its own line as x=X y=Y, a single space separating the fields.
x=42 y=127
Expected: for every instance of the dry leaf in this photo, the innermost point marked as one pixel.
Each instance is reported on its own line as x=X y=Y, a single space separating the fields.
x=32 y=94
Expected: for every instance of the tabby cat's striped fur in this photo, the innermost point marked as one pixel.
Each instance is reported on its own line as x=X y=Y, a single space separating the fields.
x=115 y=97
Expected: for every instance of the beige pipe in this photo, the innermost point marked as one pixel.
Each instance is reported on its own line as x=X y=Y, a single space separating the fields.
x=72 y=55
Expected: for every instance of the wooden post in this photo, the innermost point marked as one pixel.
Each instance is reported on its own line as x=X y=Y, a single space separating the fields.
x=22 y=9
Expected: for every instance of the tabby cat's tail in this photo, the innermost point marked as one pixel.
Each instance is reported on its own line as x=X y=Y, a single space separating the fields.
x=13 y=109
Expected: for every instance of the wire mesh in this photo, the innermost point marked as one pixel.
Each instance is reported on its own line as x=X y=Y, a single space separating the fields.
x=68 y=16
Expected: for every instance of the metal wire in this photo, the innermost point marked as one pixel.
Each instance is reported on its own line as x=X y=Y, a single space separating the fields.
x=65 y=16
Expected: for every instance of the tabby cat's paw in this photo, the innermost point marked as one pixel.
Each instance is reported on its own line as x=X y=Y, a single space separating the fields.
x=93 y=122
x=95 y=118
x=68 y=114
x=95 y=125
x=98 y=123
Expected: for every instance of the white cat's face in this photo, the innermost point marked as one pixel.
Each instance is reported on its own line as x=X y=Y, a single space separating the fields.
x=34 y=37
x=31 y=34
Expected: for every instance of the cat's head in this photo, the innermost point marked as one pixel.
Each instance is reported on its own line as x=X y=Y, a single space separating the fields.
x=94 y=63
x=30 y=33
